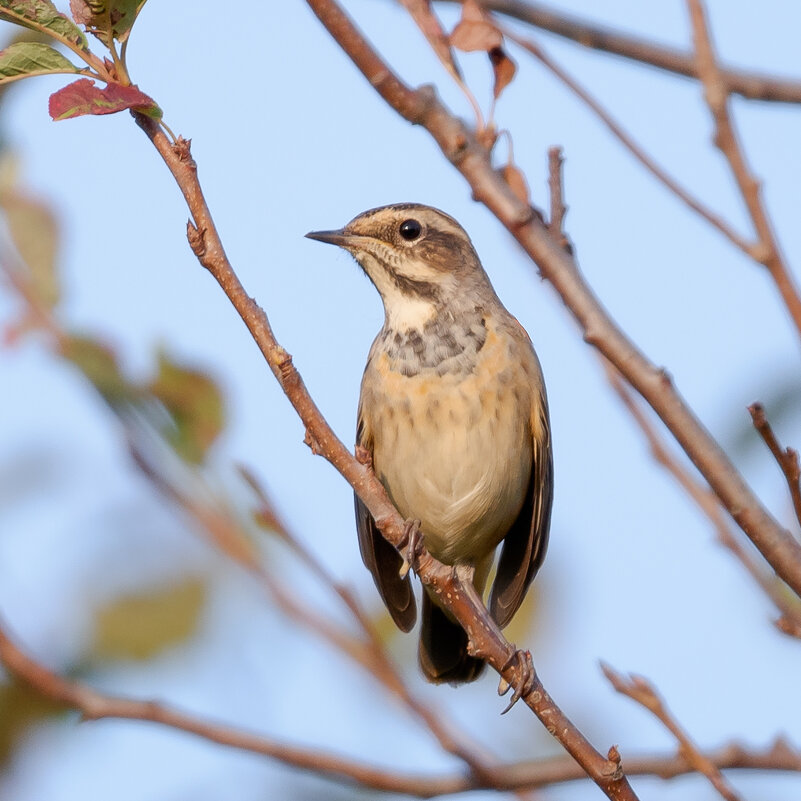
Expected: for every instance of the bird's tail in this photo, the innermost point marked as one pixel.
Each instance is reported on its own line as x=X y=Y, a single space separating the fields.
x=443 y=648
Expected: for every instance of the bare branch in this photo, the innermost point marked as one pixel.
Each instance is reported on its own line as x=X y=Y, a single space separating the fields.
x=788 y=605
x=556 y=219
x=460 y=146
x=643 y=692
x=751 y=85
x=635 y=149
x=94 y=705
x=726 y=138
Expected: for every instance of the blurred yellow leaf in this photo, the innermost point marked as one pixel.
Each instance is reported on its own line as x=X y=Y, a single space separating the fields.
x=139 y=625
x=98 y=362
x=195 y=404
x=20 y=708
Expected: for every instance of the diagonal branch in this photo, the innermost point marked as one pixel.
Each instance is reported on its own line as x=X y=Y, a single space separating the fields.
x=788 y=605
x=94 y=705
x=751 y=85
x=486 y=638
x=460 y=146
x=787 y=458
x=727 y=140
x=643 y=692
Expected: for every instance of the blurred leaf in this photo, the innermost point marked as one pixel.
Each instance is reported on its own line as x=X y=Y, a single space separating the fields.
x=474 y=30
x=195 y=404
x=99 y=364
x=420 y=11
x=34 y=231
x=516 y=181
x=82 y=97
x=102 y=16
x=31 y=58
x=20 y=708
x=503 y=68
x=140 y=625
x=43 y=16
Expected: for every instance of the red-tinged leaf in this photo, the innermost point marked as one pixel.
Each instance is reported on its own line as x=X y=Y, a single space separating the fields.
x=102 y=17
x=83 y=97
x=503 y=68
x=22 y=59
x=475 y=31
x=420 y=11
x=42 y=16
x=516 y=181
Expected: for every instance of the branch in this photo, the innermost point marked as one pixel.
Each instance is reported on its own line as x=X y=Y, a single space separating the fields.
x=787 y=459
x=628 y=142
x=487 y=640
x=643 y=692
x=94 y=705
x=460 y=146
x=726 y=138
x=788 y=605
x=750 y=85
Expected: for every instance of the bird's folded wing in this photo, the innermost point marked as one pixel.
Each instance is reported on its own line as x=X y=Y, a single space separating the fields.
x=525 y=544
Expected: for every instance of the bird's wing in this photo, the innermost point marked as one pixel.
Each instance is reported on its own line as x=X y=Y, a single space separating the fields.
x=525 y=544
x=380 y=557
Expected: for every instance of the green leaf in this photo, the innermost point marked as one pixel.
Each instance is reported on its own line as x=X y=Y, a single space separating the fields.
x=30 y=58
x=43 y=16
x=34 y=231
x=195 y=404
x=101 y=16
x=99 y=364
x=140 y=625
x=20 y=708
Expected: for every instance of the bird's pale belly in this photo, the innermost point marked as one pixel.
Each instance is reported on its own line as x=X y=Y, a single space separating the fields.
x=462 y=464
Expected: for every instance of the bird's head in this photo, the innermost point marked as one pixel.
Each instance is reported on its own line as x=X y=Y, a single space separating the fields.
x=419 y=259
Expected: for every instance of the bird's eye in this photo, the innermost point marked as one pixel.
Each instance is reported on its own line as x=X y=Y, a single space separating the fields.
x=410 y=230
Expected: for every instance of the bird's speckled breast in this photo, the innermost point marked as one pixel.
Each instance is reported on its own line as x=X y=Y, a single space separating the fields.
x=449 y=417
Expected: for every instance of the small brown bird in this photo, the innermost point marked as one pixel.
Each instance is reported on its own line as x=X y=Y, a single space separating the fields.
x=454 y=415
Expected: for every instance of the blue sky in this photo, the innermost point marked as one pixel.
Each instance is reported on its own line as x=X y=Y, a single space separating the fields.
x=290 y=138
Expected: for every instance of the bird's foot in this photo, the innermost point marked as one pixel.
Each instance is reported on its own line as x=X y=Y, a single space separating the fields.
x=525 y=680
x=413 y=542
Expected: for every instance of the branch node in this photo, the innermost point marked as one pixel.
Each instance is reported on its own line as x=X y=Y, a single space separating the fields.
x=197 y=239
x=183 y=149
x=310 y=440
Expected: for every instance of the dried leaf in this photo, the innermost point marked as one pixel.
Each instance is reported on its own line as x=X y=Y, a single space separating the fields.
x=517 y=182
x=42 y=16
x=83 y=97
x=503 y=68
x=420 y=11
x=475 y=31
x=101 y=17
x=31 y=58
x=195 y=405
x=140 y=625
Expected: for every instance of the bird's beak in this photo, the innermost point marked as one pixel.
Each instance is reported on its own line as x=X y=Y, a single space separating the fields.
x=338 y=237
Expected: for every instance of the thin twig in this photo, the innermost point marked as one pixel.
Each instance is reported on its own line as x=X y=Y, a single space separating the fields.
x=751 y=85
x=643 y=692
x=558 y=210
x=726 y=138
x=787 y=459
x=776 y=590
x=94 y=705
x=459 y=145
x=715 y=220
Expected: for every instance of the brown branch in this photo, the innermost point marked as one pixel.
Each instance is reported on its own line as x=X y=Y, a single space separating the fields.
x=750 y=85
x=461 y=148
x=558 y=210
x=643 y=692
x=727 y=140
x=787 y=459
x=788 y=605
x=94 y=705
x=635 y=149
x=486 y=638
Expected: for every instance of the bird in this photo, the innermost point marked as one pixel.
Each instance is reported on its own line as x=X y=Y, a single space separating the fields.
x=453 y=416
